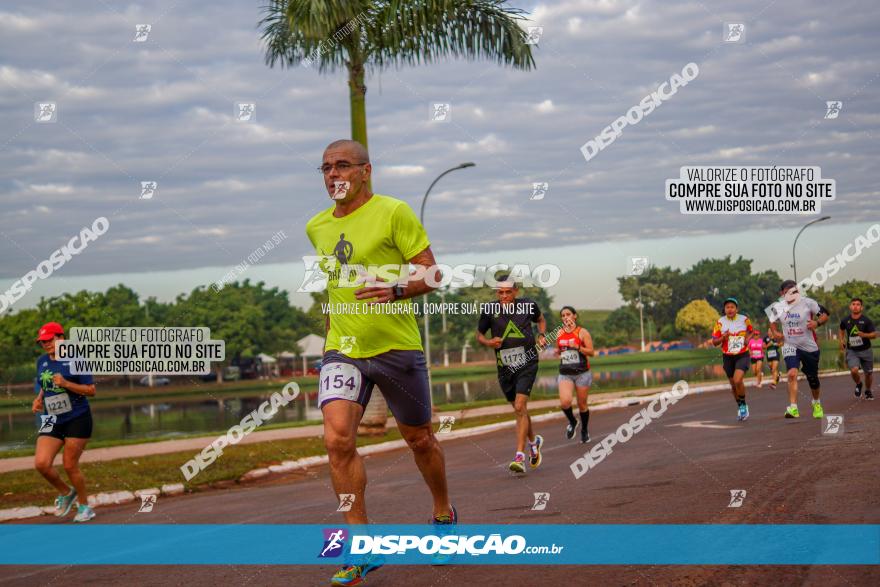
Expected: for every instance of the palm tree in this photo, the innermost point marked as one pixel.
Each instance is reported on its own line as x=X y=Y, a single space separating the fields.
x=356 y=34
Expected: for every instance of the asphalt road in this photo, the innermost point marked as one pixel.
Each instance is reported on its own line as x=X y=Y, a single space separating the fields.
x=679 y=469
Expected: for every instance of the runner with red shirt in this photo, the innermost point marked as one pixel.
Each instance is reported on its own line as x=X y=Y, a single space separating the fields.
x=730 y=333
x=574 y=347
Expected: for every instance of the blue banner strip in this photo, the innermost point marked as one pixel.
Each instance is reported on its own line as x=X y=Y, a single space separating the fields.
x=602 y=544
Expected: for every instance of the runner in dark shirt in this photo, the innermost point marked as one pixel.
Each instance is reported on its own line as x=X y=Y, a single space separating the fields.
x=510 y=322
x=856 y=332
x=65 y=421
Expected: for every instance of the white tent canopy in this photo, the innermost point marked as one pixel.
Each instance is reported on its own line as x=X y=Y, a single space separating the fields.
x=311 y=345
x=267 y=358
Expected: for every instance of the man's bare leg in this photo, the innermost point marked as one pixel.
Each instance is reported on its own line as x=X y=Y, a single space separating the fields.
x=429 y=458
x=792 y=386
x=523 y=422
x=341 y=419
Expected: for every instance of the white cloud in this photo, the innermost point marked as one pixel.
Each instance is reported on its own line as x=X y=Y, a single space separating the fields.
x=488 y=144
x=51 y=188
x=41 y=81
x=402 y=170
x=17 y=22
x=545 y=107
x=698 y=131
x=215 y=231
x=140 y=240
x=228 y=185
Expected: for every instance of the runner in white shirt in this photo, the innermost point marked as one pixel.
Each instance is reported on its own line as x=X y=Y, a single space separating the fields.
x=799 y=317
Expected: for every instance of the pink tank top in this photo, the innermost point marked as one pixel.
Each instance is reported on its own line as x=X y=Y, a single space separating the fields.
x=756 y=348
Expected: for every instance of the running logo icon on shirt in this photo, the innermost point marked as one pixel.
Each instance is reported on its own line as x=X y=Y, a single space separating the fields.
x=334 y=542
x=344 y=250
x=512 y=332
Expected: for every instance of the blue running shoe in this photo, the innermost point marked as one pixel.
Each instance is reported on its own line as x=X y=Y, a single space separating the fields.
x=743 y=412
x=444 y=525
x=63 y=503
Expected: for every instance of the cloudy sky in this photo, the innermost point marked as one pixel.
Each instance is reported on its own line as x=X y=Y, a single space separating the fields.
x=164 y=110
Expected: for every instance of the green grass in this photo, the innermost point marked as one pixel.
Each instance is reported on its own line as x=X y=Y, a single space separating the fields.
x=27 y=487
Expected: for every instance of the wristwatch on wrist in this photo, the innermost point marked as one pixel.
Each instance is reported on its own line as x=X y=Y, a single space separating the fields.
x=398 y=292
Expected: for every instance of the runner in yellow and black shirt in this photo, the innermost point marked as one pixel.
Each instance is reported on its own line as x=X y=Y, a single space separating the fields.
x=372 y=338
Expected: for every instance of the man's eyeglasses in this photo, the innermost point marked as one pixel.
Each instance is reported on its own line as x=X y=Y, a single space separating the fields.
x=342 y=167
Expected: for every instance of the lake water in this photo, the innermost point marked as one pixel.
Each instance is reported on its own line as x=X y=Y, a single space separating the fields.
x=170 y=418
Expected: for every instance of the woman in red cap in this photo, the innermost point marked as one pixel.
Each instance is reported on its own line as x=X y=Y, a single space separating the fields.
x=65 y=421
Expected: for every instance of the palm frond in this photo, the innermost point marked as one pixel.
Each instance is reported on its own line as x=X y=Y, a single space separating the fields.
x=382 y=33
x=295 y=31
x=413 y=32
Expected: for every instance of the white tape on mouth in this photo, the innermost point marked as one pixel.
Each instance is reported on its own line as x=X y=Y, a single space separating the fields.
x=340 y=189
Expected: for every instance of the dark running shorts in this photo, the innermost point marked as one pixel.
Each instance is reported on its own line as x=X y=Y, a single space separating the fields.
x=519 y=381
x=863 y=359
x=757 y=360
x=402 y=377
x=79 y=427
x=806 y=361
x=733 y=362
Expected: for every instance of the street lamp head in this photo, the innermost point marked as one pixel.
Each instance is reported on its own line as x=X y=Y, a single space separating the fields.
x=468 y=164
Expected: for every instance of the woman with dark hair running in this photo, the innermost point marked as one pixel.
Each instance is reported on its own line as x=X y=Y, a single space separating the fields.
x=574 y=345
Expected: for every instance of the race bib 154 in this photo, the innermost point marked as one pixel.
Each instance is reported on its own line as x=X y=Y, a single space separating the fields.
x=339 y=381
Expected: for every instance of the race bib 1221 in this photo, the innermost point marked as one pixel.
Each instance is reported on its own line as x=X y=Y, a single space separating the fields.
x=57 y=404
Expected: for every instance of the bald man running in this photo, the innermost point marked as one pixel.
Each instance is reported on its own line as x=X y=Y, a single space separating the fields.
x=369 y=345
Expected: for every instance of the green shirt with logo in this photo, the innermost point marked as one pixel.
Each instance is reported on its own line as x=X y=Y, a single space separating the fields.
x=383 y=231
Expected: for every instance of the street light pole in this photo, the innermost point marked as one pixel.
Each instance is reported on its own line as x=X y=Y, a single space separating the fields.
x=793 y=257
x=425 y=297
x=641 y=319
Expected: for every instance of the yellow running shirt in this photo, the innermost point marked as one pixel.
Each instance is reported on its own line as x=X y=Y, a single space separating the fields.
x=384 y=231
